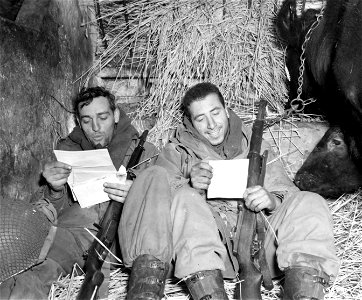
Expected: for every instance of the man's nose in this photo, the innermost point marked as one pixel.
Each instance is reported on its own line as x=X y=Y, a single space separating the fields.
x=211 y=123
x=95 y=125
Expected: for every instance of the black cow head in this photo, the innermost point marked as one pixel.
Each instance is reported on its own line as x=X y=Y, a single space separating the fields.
x=329 y=170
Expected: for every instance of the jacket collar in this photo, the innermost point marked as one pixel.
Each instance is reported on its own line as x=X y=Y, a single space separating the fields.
x=235 y=143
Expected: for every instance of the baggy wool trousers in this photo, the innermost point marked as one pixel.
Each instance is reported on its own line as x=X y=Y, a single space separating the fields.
x=179 y=226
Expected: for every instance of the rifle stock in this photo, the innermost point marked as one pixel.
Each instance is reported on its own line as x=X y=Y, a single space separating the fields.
x=249 y=274
x=106 y=234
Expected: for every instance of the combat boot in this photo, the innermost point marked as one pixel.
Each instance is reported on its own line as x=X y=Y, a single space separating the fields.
x=305 y=283
x=207 y=285
x=148 y=277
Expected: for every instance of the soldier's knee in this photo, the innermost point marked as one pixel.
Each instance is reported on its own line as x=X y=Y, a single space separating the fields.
x=153 y=173
x=187 y=195
x=309 y=201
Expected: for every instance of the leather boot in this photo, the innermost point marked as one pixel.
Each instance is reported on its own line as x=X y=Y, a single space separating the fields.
x=305 y=283
x=206 y=285
x=148 y=277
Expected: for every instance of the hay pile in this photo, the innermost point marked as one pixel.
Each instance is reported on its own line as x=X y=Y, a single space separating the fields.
x=172 y=45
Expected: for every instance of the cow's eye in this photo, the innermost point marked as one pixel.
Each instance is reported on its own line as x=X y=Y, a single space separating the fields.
x=336 y=142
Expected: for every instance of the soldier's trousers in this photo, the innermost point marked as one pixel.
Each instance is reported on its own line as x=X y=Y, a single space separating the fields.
x=180 y=227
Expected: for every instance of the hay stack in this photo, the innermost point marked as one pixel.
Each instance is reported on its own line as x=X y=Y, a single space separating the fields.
x=174 y=44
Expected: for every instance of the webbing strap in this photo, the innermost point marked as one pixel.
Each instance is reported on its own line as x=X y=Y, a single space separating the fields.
x=260 y=256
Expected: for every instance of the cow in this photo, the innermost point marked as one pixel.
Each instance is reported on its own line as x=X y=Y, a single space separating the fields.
x=332 y=74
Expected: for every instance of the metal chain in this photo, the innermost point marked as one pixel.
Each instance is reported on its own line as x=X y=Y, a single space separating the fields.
x=298 y=104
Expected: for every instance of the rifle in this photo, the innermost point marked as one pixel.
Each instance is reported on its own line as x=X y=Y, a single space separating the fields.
x=106 y=234
x=249 y=251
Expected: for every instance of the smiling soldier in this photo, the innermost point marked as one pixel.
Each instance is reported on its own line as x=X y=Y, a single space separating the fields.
x=184 y=229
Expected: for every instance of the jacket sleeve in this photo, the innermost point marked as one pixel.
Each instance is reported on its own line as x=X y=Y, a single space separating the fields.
x=43 y=199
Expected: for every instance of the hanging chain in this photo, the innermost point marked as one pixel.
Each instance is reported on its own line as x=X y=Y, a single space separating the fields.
x=298 y=104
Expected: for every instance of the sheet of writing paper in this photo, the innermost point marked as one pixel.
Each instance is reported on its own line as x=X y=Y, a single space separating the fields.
x=90 y=170
x=87 y=164
x=229 y=178
x=92 y=192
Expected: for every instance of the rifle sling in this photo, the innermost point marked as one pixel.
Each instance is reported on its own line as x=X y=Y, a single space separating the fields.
x=253 y=227
x=260 y=234
x=264 y=268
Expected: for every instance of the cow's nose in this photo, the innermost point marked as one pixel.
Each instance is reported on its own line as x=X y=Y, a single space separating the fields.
x=297 y=181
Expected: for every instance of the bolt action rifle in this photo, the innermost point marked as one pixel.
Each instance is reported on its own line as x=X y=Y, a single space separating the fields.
x=107 y=232
x=250 y=231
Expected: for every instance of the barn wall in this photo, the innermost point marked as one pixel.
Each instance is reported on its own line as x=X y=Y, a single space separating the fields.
x=39 y=70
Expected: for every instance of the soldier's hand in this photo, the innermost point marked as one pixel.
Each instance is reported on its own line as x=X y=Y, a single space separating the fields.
x=56 y=174
x=117 y=191
x=200 y=175
x=257 y=198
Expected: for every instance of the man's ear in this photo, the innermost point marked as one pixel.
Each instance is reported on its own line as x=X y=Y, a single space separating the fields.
x=116 y=115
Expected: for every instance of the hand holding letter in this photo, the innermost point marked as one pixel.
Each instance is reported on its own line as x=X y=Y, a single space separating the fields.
x=117 y=191
x=56 y=174
x=200 y=175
